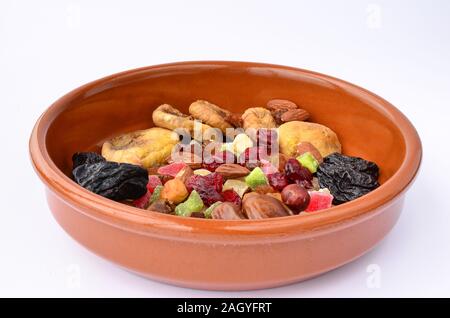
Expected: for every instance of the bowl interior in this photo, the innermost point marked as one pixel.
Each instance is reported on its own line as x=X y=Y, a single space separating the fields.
x=125 y=102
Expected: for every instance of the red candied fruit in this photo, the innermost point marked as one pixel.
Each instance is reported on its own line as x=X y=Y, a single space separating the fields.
x=171 y=169
x=278 y=180
x=209 y=187
x=319 y=201
x=142 y=202
x=153 y=182
x=231 y=196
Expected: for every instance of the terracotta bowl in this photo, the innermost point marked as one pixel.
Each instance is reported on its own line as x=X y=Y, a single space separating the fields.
x=217 y=254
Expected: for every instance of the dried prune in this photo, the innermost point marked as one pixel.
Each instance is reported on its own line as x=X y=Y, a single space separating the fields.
x=347 y=178
x=116 y=181
x=80 y=158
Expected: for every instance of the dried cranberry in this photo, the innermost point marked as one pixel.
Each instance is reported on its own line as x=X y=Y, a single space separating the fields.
x=217 y=180
x=295 y=173
x=231 y=196
x=278 y=180
x=209 y=187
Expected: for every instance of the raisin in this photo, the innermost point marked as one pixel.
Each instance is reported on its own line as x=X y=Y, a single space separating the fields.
x=80 y=158
x=112 y=180
x=346 y=177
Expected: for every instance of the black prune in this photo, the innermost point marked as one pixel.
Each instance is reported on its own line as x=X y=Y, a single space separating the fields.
x=346 y=177
x=116 y=181
x=80 y=158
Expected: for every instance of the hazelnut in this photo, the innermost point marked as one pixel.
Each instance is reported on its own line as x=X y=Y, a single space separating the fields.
x=295 y=197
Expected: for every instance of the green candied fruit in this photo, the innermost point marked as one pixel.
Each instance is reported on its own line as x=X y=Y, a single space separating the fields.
x=156 y=194
x=208 y=212
x=238 y=186
x=256 y=178
x=193 y=204
x=308 y=161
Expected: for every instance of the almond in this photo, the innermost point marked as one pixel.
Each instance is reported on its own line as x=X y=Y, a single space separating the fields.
x=278 y=104
x=232 y=170
x=295 y=114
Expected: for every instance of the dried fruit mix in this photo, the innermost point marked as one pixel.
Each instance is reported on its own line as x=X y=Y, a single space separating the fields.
x=266 y=162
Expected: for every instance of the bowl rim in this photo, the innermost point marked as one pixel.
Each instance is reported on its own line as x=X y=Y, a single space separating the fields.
x=134 y=219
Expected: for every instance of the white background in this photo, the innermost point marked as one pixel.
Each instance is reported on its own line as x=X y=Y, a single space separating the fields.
x=398 y=49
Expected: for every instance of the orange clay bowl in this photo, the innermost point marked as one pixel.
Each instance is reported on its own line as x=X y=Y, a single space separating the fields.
x=219 y=254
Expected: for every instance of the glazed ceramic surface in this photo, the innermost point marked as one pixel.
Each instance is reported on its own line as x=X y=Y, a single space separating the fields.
x=218 y=254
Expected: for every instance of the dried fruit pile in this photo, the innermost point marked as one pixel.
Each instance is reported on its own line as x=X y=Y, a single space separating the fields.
x=267 y=162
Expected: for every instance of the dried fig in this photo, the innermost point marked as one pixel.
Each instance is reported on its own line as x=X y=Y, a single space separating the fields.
x=169 y=117
x=321 y=137
x=210 y=114
x=258 y=117
x=147 y=148
x=262 y=206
